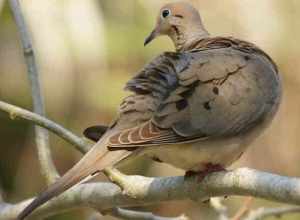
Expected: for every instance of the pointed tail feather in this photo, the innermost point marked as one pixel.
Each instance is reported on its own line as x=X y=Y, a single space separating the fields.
x=94 y=161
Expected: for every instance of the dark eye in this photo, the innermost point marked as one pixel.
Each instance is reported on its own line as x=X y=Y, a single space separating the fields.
x=165 y=13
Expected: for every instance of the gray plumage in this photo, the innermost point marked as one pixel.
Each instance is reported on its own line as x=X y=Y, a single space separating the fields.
x=221 y=88
x=201 y=105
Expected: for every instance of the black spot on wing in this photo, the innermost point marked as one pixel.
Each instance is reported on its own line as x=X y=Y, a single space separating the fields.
x=247 y=57
x=207 y=106
x=181 y=104
x=216 y=90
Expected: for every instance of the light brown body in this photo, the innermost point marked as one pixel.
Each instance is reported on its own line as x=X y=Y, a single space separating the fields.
x=203 y=104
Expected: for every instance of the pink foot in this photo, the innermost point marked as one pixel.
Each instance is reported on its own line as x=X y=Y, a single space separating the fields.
x=209 y=168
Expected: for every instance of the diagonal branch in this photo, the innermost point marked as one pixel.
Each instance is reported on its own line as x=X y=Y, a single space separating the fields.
x=41 y=134
x=17 y=112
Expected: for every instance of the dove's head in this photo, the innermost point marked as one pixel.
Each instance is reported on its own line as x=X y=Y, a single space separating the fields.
x=181 y=22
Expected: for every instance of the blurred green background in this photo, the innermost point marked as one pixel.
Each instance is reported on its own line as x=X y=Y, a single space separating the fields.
x=88 y=49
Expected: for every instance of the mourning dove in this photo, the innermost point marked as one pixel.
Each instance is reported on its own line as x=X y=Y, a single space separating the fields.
x=195 y=108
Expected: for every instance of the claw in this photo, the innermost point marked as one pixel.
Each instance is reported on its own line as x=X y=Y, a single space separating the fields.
x=209 y=168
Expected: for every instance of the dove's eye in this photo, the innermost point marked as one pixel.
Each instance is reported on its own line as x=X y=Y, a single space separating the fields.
x=165 y=13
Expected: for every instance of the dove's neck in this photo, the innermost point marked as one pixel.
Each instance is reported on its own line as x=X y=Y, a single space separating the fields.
x=184 y=38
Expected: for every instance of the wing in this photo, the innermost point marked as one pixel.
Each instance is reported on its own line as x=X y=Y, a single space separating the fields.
x=222 y=88
x=231 y=86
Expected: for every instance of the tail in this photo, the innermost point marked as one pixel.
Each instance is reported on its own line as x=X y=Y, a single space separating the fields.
x=92 y=163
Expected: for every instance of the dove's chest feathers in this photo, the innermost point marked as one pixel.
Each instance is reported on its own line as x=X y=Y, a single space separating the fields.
x=195 y=156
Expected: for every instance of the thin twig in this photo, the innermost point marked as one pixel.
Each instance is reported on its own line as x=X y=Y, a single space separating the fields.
x=41 y=134
x=222 y=210
x=1 y=197
x=244 y=209
x=1 y=5
x=17 y=112
x=263 y=213
x=135 y=215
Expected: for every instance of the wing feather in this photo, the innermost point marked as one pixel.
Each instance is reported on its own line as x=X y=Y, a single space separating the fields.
x=211 y=91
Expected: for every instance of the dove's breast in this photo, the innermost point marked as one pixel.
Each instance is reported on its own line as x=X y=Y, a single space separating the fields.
x=195 y=156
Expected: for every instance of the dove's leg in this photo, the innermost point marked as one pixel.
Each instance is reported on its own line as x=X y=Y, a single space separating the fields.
x=209 y=168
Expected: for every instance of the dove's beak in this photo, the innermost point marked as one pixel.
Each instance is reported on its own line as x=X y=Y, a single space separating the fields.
x=151 y=37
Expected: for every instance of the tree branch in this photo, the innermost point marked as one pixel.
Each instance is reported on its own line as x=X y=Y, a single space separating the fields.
x=41 y=135
x=17 y=112
x=1 y=197
x=263 y=213
x=1 y=5
x=105 y=196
